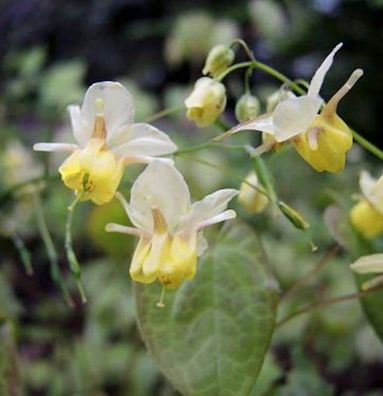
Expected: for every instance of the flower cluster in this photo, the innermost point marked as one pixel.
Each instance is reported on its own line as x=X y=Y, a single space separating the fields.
x=169 y=226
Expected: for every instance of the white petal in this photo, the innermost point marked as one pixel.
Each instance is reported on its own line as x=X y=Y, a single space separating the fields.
x=226 y=215
x=82 y=131
x=366 y=183
x=144 y=159
x=55 y=147
x=320 y=74
x=293 y=116
x=263 y=123
x=207 y=208
x=118 y=105
x=141 y=139
x=366 y=264
x=113 y=227
x=160 y=186
x=202 y=244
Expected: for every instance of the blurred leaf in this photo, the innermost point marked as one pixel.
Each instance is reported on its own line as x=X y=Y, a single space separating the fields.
x=62 y=85
x=219 y=324
x=9 y=377
x=304 y=380
x=114 y=244
x=373 y=303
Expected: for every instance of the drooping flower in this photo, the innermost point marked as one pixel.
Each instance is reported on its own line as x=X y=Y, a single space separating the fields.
x=206 y=102
x=321 y=139
x=367 y=215
x=107 y=141
x=169 y=227
x=371 y=264
x=251 y=199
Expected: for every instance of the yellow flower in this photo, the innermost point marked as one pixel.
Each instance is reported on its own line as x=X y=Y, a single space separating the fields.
x=252 y=200
x=367 y=215
x=325 y=144
x=169 y=227
x=220 y=57
x=322 y=140
x=206 y=102
x=107 y=141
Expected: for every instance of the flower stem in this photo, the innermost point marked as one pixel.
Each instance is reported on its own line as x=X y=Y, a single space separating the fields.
x=24 y=253
x=311 y=274
x=164 y=113
x=50 y=248
x=326 y=303
x=367 y=145
x=74 y=264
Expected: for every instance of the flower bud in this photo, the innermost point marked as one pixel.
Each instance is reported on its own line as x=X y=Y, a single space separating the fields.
x=278 y=96
x=220 y=57
x=251 y=199
x=295 y=218
x=247 y=108
x=206 y=102
x=366 y=219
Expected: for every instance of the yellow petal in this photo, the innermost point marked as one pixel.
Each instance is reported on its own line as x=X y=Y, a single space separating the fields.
x=333 y=141
x=366 y=219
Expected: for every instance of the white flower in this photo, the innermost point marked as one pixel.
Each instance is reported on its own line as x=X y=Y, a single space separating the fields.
x=372 y=190
x=168 y=225
x=372 y=263
x=293 y=116
x=107 y=140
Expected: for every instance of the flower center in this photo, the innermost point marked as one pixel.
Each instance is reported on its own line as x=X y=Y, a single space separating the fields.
x=99 y=127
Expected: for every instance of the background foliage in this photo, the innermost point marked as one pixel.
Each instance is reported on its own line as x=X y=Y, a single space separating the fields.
x=50 y=51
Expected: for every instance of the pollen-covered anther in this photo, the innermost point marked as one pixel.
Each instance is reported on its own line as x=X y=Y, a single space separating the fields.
x=99 y=128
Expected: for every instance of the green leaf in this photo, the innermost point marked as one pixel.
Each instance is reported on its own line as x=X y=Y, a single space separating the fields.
x=212 y=336
x=373 y=303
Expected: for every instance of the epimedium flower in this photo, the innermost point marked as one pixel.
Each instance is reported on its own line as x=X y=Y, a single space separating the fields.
x=370 y=264
x=322 y=138
x=169 y=227
x=367 y=215
x=206 y=102
x=107 y=141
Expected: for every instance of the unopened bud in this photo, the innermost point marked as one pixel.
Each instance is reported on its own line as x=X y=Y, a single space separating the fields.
x=295 y=218
x=251 y=196
x=247 y=108
x=218 y=60
x=206 y=102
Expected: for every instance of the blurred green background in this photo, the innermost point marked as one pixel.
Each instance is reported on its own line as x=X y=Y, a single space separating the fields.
x=50 y=51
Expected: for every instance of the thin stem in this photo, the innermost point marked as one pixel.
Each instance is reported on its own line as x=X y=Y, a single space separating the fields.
x=24 y=254
x=50 y=248
x=326 y=303
x=208 y=145
x=8 y=194
x=231 y=174
x=164 y=113
x=367 y=145
x=71 y=256
x=311 y=274
x=243 y=44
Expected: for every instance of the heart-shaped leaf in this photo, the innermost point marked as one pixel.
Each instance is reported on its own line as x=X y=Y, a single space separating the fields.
x=212 y=336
